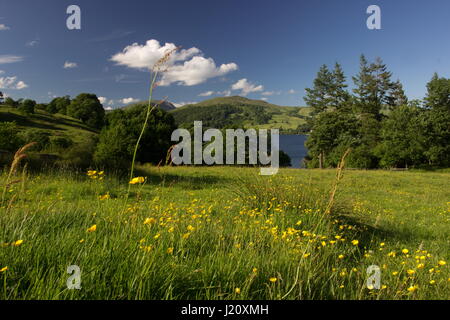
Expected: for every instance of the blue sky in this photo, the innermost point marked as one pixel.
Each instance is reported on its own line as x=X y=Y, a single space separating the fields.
x=262 y=49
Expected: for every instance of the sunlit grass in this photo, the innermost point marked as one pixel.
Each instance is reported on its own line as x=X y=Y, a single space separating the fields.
x=227 y=233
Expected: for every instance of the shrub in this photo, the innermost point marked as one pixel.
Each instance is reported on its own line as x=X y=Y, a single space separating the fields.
x=35 y=135
x=9 y=138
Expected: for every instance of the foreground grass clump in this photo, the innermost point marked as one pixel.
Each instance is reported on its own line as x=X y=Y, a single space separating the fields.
x=226 y=233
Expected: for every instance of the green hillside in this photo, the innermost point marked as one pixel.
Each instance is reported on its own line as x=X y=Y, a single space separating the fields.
x=55 y=125
x=244 y=113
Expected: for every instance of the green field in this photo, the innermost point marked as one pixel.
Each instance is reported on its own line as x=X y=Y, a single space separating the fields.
x=226 y=233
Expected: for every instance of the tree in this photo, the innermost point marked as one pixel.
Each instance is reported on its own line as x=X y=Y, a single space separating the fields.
x=59 y=105
x=1 y=97
x=438 y=93
x=436 y=121
x=402 y=144
x=330 y=130
x=339 y=94
x=373 y=87
x=397 y=96
x=27 y=106
x=87 y=108
x=11 y=103
x=319 y=96
x=119 y=136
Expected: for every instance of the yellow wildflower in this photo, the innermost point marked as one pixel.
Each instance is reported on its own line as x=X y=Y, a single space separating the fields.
x=137 y=180
x=92 y=229
x=273 y=279
x=169 y=250
x=3 y=269
x=413 y=288
x=150 y=221
x=237 y=290
x=17 y=243
x=355 y=242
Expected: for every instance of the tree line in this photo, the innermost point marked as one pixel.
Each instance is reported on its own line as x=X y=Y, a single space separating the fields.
x=376 y=120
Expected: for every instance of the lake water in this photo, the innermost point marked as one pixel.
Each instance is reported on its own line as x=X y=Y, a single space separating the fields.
x=294 y=146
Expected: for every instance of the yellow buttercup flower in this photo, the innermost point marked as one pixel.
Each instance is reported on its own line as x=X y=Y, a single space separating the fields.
x=413 y=288
x=237 y=290
x=150 y=221
x=442 y=263
x=355 y=242
x=138 y=180
x=254 y=270
x=190 y=228
x=17 y=243
x=341 y=256
x=405 y=251
x=3 y=269
x=432 y=281
x=105 y=197
x=169 y=250
x=273 y=279
x=92 y=229
x=411 y=272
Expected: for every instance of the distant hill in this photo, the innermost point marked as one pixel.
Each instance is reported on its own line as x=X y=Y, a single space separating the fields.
x=164 y=105
x=243 y=113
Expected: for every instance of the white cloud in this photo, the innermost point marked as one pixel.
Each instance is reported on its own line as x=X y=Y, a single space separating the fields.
x=128 y=100
x=108 y=108
x=102 y=100
x=292 y=91
x=268 y=93
x=246 y=87
x=180 y=104
x=264 y=99
x=12 y=83
x=195 y=71
x=225 y=93
x=32 y=43
x=3 y=27
x=1 y=71
x=4 y=59
x=185 y=67
x=206 y=94
x=70 y=65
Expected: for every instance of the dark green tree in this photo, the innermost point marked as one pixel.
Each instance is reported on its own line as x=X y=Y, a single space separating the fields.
x=119 y=136
x=87 y=108
x=319 y=96
x=59 y=105
x=27 y=106
x=402 y=142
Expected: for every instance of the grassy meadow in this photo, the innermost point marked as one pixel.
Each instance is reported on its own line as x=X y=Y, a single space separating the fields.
x=226 y=233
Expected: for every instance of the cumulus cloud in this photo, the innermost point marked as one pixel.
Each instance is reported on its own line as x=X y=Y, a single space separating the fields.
x=128 y=100
x=4 y=59
x=180 y=104
x=32 y=43
x=292 y=91
x=12 y=83
x=246 y=87
x=102 y=100
x=206 y=94
x=225 y=93
x=185 y=67
x=3 y=27
x=70 y=65
x=264 y=99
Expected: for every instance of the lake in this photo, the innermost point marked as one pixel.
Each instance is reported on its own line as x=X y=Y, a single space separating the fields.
x=294 y=146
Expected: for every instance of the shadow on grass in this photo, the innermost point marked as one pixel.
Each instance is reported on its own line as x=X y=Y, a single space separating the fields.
x=170 y=180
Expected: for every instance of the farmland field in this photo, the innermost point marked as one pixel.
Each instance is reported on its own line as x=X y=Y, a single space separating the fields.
x=226 y=233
